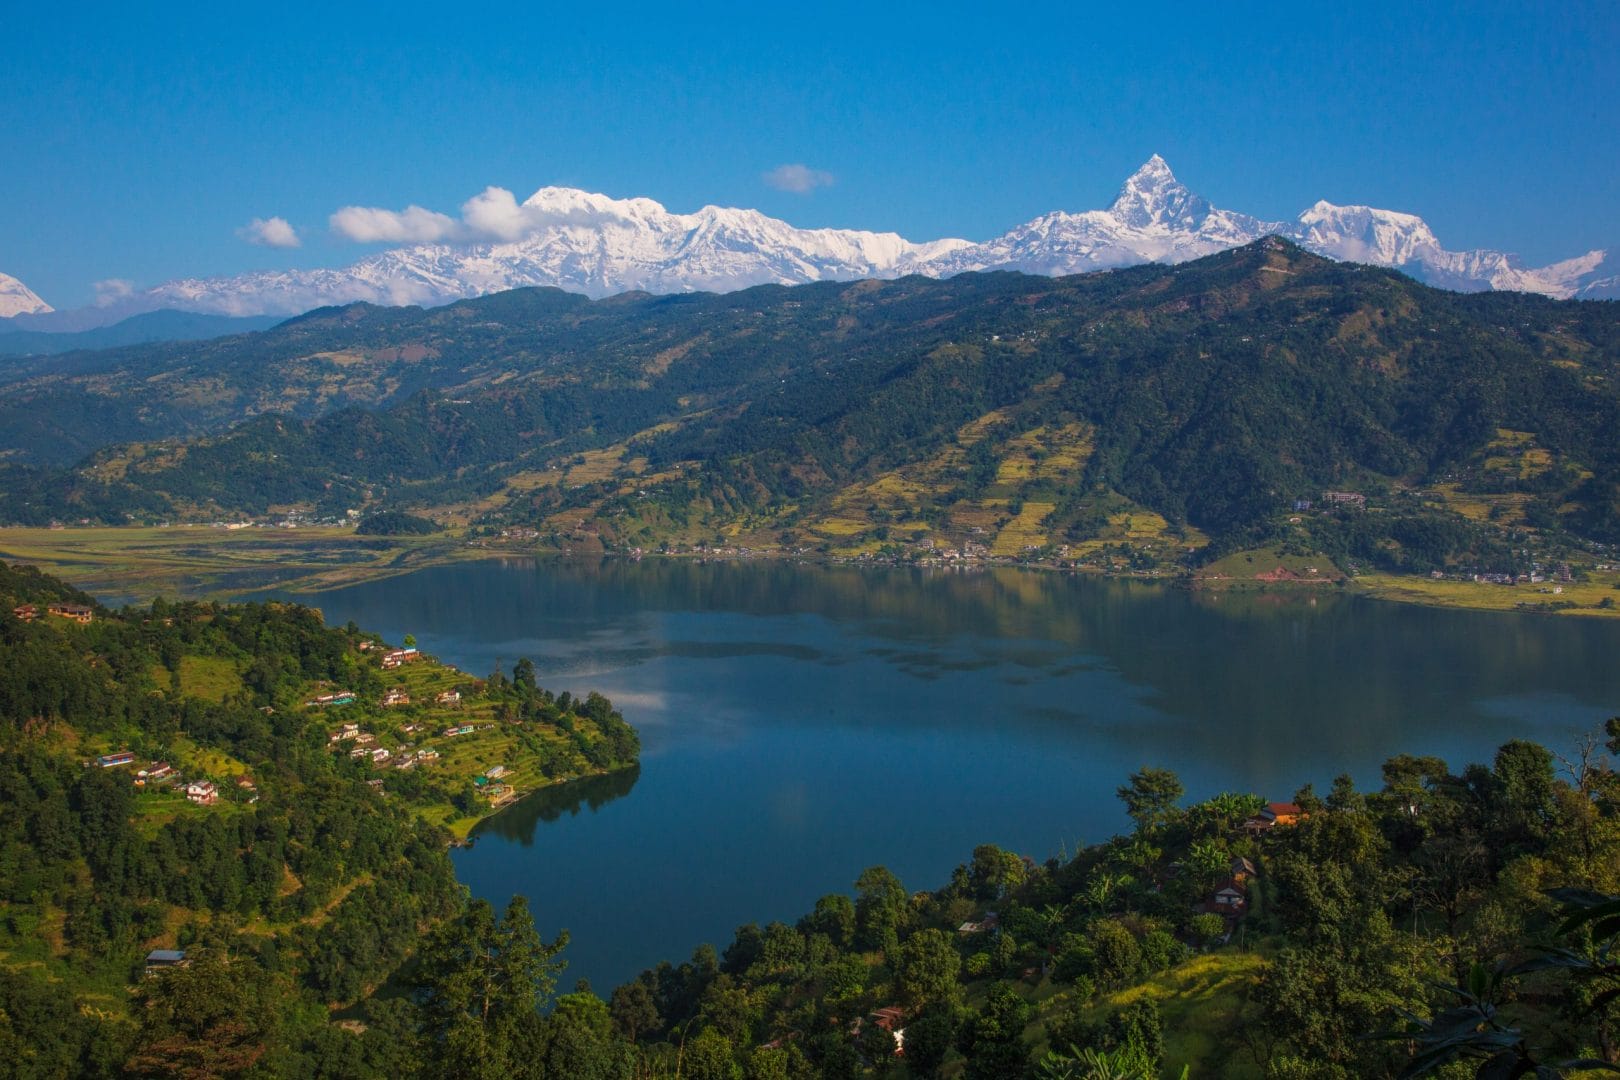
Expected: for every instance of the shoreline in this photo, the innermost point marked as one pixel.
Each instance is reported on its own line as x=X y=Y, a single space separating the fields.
x=133 y=564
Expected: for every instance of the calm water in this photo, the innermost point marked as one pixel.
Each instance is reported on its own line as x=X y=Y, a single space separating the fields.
x=801 y=723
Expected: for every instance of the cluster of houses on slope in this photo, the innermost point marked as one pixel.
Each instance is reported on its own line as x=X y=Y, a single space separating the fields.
x=162 y=774
x=1230 y=898
x=79 y=613
x=400 y=657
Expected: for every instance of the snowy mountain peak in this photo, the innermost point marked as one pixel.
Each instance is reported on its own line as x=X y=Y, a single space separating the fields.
x=18 y=299
x=599 y=245
x=1153 y=196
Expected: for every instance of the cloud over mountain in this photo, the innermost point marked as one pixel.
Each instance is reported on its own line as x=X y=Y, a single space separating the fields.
x=798 y=178
x=270 y=232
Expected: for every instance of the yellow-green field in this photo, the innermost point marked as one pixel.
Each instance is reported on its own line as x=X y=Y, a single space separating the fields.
x=145 y=562
x=1200 y=1002
x=1582 y=597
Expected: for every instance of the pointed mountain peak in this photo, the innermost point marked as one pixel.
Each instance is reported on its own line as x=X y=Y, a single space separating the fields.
x=1153 y=196
x=1155 y=166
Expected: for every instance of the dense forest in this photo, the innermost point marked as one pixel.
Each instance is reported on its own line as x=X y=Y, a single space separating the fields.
x=1452 y=922
x=1213 y=397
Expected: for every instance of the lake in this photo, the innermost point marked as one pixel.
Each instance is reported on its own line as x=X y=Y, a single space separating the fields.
x=803 y=722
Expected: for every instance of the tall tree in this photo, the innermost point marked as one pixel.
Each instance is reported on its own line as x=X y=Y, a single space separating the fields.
x=486 y=979
x=1150 y=796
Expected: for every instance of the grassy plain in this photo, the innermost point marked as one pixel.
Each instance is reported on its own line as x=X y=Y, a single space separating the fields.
x=1574 y=598
x=139 y=562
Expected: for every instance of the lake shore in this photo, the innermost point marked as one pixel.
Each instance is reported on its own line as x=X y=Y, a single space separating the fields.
x=127 y=564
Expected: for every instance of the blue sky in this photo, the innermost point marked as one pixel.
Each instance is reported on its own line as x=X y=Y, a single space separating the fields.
x=137 y=146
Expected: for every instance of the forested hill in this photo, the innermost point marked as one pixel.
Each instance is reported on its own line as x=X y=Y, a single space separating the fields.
x=269 y=796
x=1020 y=412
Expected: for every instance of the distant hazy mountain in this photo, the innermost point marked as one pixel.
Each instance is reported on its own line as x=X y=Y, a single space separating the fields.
x=599 y=246
x=136 y=330
x=18 y=299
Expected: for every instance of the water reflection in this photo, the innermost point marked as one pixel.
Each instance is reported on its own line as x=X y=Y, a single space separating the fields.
x=519 y=821
x=801 y=723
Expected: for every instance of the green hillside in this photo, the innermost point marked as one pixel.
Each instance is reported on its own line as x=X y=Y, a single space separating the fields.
x=1126 y=419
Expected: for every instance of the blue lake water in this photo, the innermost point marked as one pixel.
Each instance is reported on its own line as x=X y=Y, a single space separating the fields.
x=800 y=723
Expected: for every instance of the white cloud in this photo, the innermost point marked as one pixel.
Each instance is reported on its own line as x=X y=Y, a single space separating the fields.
x=495 y=213
x=797 y=178
x=112 y=290
x=270 y=232
x=492 y=214
x=370 y=224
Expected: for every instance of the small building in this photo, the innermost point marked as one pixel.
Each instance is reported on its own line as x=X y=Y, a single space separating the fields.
x=26 y=612
x=113 y=761
x=892 y=1018
x=159 y=960
x=202 y=792
x=449 y=697
x=380 y=754
x=396 y=696
x=399 y=657
x=156 y=773
x=463 y=729
x=1284 y=813
x=1352 y=499
x=79 y=613
x=346 y=733
x=495 y=772
x=989 y=924
x=365 y=738
x=1242 y=870
x=1273 y=815
x=427 y=755
x=342 y=697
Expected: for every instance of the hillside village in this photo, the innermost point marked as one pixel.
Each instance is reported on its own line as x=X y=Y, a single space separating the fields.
x=436 y=736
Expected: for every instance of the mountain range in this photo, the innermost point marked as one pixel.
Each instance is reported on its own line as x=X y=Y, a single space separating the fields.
x=1156 y=407
x=599 y=246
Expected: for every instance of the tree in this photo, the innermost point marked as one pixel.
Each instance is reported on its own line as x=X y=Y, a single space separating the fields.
x=928 y=968
x=1150 y=796
x=709 y=1056
x=634 y=1011
x=992 y=1039
x=929 y=1037
x=578 y=1042
x=994 y=871
x=485 y=981
x=834 y=915
x=211 y=1018
x=880 y=909
x=1117 y=956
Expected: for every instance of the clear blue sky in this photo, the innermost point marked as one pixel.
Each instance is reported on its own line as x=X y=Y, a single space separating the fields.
x=135 y=146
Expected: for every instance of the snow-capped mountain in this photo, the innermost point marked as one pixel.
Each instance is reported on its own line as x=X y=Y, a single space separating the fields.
x=1155 y=218
x=578 y=241
x=18 y=299
x=597 y=245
